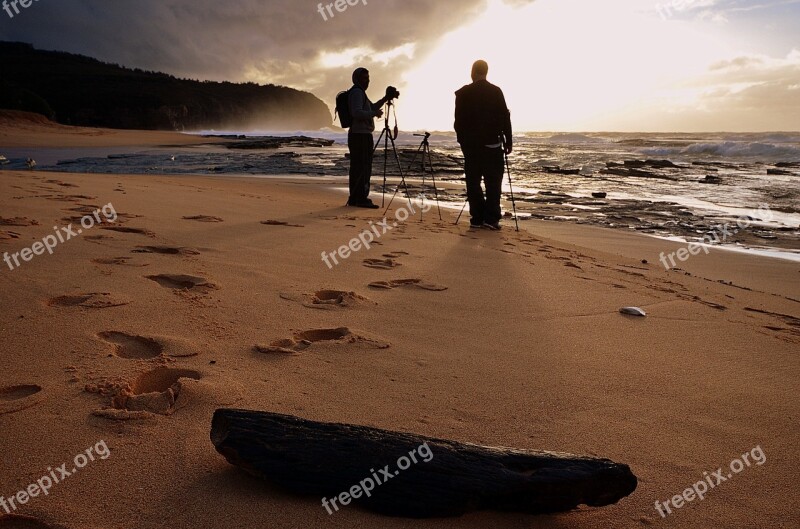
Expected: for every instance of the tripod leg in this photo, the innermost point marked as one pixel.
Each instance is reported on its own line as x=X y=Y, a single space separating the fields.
x=377 y=143
x=385 y=163
x=462 y=210
x=402 y=176
x=374 y=150
x=414 y=159
x=433 y=178
x=411 y=166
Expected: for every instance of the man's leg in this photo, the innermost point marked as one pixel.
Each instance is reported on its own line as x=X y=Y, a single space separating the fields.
x=493 y=171
x=472 y=171
x=355 y=168
x=360 y=167
x=368 y=153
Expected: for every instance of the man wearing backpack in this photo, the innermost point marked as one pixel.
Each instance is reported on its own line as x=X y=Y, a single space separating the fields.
x=359 y=138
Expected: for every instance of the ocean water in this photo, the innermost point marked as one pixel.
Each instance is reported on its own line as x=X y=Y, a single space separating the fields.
x=707 y=179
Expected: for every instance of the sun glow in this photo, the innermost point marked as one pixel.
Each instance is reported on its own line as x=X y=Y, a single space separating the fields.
x=564 y=64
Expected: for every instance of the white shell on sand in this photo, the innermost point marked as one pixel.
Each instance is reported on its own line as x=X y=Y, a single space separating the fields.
x=633 y=311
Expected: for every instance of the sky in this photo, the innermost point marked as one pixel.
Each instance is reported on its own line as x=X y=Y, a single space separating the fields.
x=564 y=65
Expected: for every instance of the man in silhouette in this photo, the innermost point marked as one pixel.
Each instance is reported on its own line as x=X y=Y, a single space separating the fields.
x=359 y=139
x=483 y=128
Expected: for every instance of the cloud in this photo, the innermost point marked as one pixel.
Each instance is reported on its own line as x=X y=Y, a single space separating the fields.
x=746 y=93
x=613 y=61
x=236 y=40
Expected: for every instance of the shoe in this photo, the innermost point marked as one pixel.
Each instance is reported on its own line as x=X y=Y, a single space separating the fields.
x=475 y=226
x=494 y=226
x=368 y=204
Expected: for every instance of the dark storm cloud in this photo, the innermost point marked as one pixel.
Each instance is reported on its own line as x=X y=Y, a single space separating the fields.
x=236 y=40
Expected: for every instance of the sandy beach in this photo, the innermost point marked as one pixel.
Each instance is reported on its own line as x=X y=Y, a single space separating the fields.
x=501 y=339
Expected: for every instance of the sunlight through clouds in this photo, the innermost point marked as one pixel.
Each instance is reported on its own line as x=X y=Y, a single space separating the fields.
x=557 y=78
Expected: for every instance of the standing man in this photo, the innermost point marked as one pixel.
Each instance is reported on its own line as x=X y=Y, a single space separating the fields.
x=483 y=128
x=359 y=139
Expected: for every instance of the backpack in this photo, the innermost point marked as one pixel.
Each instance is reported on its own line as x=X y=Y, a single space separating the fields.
x=343 y=109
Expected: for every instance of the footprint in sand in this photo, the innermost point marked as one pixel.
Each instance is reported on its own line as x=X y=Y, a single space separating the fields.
x=17 y=221
x=19 y=521
x=71 y=198
x=121 y=261
x=59 y=183
x=155 y=391
x=130 y=346
x=204 y=218
x=86 y=209
x=381 y=264
x=121 y=219
x=97 y=239
x=16 y=398
x=337 y=337
x=326 y=299
x=166 y=250
x=125 y=217
x=412 y=283
x=182 y=282
x=280 y=223
x=126 y=229
x=73 y=219
x=94 y=300
x=786 y=325
x=395 y=254
x=7 y=235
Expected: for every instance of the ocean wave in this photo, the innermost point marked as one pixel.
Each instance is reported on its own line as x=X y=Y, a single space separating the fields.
x=576 y=138
x=763 y=137
x=731 y=149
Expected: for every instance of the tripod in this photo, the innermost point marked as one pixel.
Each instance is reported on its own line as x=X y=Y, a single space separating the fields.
x=425 y=149
x=388 y=136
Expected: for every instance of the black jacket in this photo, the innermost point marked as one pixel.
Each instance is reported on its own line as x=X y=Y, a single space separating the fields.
x=482 y=115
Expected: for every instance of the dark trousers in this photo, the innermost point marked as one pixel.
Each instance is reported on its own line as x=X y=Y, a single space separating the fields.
x=488 y=164
x=361 y=148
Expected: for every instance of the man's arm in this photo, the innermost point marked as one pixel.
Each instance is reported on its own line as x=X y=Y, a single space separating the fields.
x=506 y=120
x=379 y=104
x=357 y=99
x=459 y=123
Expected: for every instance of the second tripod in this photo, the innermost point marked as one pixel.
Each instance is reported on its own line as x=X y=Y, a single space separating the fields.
x=425 y=150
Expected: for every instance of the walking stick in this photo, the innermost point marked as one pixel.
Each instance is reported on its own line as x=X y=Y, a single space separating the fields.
x=462 y=210
x=511 y=186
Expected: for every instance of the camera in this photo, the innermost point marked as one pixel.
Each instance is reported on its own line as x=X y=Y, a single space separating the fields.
x=392 y=93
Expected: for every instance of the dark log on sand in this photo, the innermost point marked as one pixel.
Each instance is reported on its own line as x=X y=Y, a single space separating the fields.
x=326 y=460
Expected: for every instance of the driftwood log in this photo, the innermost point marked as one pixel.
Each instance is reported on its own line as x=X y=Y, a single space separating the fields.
x=326 y=460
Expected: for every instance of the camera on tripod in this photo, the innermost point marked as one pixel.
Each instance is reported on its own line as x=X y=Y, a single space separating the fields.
x=392 y=93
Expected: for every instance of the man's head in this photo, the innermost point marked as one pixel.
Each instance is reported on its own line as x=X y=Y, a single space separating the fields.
x=361 y=78
x=480 y=69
